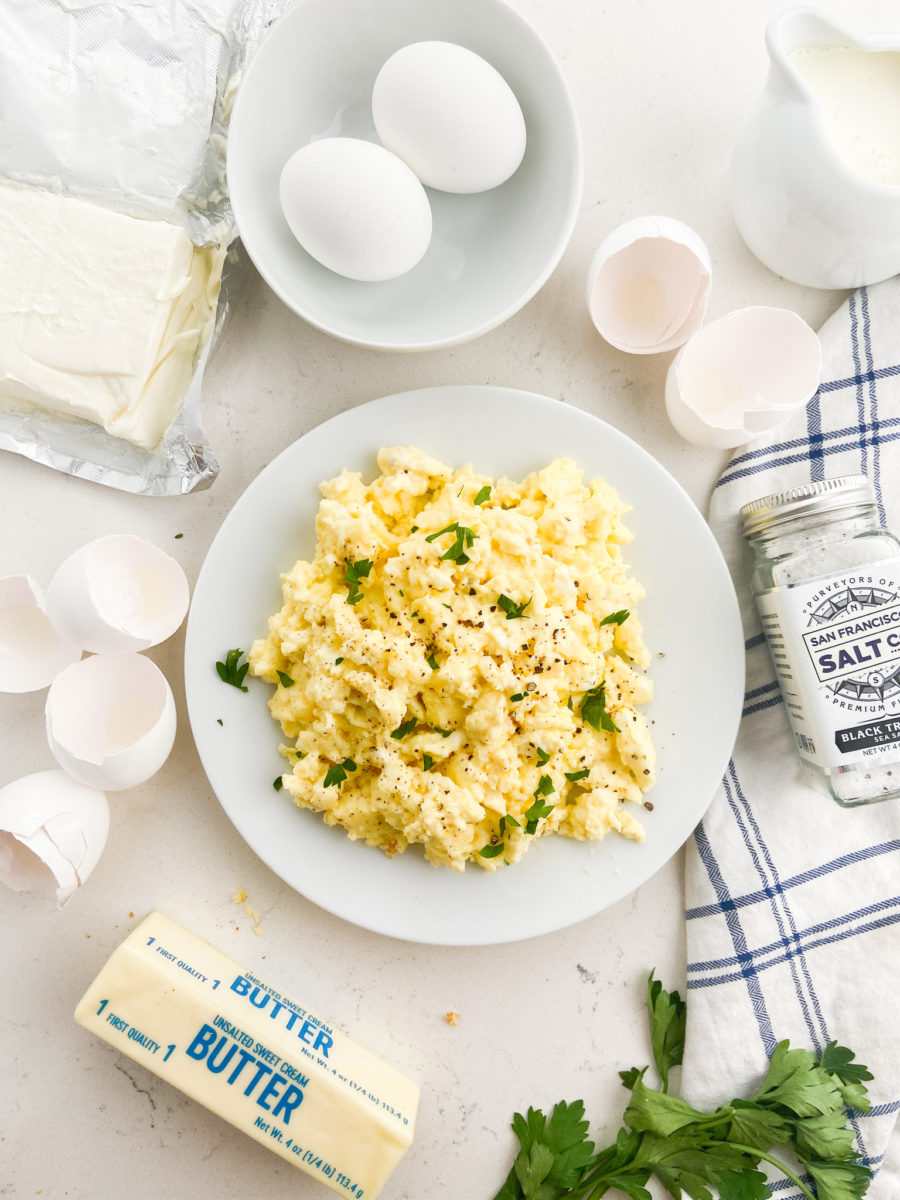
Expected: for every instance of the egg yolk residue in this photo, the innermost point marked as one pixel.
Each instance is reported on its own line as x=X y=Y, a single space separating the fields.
x=460 y=665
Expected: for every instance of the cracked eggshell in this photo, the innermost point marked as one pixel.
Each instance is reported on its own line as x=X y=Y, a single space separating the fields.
x=118 y=595
x=742 y=376
x=648 y=285
x=32 y=652
x=111 y=720
x=52 y=833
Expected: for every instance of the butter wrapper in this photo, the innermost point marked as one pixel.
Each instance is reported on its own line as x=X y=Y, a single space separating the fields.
x=258 y=1059
x=114 y=266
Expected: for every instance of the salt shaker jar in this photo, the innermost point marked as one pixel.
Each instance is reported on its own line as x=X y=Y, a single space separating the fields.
x=826 y=579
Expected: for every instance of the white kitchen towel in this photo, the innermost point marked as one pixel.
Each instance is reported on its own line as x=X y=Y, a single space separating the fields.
x=792 y=902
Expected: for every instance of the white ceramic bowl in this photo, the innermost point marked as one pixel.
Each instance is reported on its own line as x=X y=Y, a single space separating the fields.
x=312 y=77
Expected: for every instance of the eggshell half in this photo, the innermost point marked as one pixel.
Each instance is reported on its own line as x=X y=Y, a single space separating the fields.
x=52 y=833
x=31 y=650
x=648 y=285
x=111 y=720
x=742 y=376
x=118 y=595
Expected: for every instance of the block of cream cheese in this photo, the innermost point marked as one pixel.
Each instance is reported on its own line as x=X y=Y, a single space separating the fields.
x=102 y=315
x=253 y=1056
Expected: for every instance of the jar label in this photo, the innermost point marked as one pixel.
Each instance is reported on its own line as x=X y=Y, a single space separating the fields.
x=836 y=647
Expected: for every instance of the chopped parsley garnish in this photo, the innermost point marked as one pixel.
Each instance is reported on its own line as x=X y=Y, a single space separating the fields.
x=354 y=573
x=336 y=775
x=448 y=605
x=415 y=529
x=442 y=732
x=517 y=697
x=232 y=670
x=432 y=662
x=593 y=710
x=574 y=776
x=513 y=611
x=286 y=680
x=538 y=810
x=543 y=756
x=464 y=539
x=407 y=727
x=178 y=535
x=338 y=661
x=484 y=494
x=492 y=851
x=219 y=721
x=278 y=784
x=508 y=819
x=616 y=618
x=427 y=762
x=569 y=704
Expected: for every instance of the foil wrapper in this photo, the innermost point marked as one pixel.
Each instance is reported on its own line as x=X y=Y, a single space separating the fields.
x=125 y=104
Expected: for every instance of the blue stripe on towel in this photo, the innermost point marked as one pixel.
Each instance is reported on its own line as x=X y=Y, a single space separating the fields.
x=826 y=868
x=757 y=1000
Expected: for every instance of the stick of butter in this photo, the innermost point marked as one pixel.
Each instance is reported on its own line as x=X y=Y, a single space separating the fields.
x=248 y=1053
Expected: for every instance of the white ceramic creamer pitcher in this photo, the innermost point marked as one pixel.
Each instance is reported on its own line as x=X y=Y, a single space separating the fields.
x=816 y=172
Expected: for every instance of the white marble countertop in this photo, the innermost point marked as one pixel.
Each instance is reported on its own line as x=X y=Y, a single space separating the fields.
x=661 y=90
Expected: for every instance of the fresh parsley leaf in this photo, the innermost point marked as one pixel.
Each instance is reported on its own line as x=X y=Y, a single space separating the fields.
x=569 y=704
x=232 y=670
x=278 y=783
x=824 y=1137
x=286 y=680
x=464 y=539
x=840 y=1180
x=616 y=618
x=542 y=756
x=760 y=1128
x=336 y=774
x=517 y=696
x=353 y=574
x=219 y=721
x=574 y=776
x=593 y=709
x=513 y=611
x=443 y=732
x=406 y=727
x=484 y=494
x=667 y=1013
x=491 y=851
x=538 y=811
x=338 y=661
x=743 y=1185
x=432 y=662
x=838 y=1060
x=508 y=819
x=427 y=762
x=656 y=1112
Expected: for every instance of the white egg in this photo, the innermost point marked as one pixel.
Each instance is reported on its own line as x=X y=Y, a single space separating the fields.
x=648 y=285
x=356 y=208
x=743 y=375
x=111 y=720
x=52 y=833
x=118 y=595
x=32 y=652
x=450 y=116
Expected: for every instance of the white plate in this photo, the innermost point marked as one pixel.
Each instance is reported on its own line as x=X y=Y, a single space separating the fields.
x=312 y=77
x=691 y=623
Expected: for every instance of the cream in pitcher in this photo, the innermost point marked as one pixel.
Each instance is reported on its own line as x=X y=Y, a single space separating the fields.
x=816 y=171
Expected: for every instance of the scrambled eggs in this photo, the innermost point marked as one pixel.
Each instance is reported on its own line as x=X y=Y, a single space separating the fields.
x=460 y=664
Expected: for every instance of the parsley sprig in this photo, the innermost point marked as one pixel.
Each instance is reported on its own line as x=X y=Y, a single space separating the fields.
x=464 y=539
x=336 y=774
x=483 y=494
x=232 y=670
x=616 y=618
x=593 y=709
x=513 y=611
x=800 y=1105
x=353 y=574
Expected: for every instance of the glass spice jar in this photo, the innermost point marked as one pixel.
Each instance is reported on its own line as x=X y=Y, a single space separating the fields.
x=826 y=579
